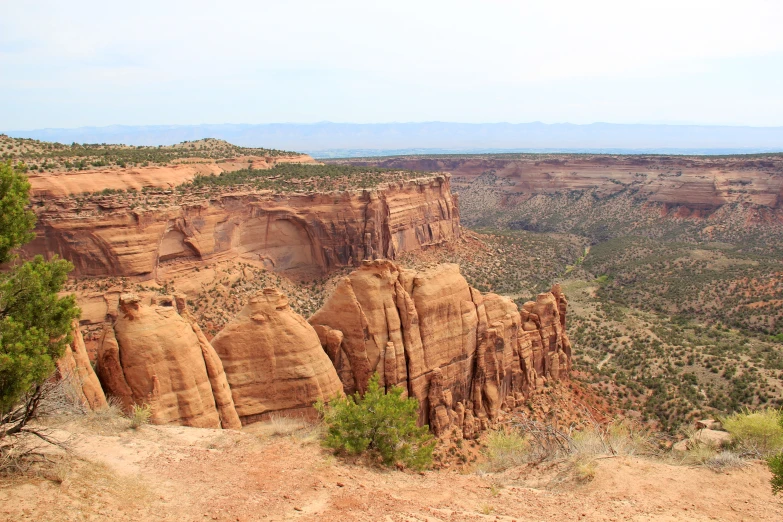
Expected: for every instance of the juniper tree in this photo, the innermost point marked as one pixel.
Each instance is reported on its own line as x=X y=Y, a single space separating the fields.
x=35 y=322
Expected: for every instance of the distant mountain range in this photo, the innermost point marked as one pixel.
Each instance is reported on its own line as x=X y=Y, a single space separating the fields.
x=327 y=139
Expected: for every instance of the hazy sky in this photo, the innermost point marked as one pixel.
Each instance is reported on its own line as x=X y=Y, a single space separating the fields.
x=78 y=63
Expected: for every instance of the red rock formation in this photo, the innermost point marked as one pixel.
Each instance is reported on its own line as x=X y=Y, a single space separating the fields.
x=74 y=366
x=273 y=360
x=58 y=184
x=299 y=232
x=696 y=183
x=154 y=354
x=462 y=354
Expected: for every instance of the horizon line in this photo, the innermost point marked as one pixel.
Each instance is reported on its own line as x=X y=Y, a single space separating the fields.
x=322 y=122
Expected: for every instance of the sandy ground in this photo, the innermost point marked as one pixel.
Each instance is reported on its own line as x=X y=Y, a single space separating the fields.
x=264 y=473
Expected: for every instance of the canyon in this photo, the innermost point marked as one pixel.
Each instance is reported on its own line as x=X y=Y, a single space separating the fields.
x=467 y=357
x=696 y=183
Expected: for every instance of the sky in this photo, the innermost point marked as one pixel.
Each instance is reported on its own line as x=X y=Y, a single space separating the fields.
x=82 y=63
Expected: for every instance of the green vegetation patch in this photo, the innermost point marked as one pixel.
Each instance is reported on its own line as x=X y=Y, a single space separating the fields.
x=287 y=177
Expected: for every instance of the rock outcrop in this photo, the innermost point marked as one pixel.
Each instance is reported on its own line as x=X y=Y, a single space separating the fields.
x=75 y=368
x=463 y=355
x=273 y=360
x=314 y=233
x=154 y=353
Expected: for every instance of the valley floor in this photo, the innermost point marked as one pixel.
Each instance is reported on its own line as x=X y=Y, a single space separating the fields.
x=269 y=472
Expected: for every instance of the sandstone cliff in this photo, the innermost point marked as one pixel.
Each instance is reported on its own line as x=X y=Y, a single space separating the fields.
x=313 y=233
x=696 y=183
x=273 y=360
x=154 y=353
x=463 y=355
x=74 y=366
x=64 y=183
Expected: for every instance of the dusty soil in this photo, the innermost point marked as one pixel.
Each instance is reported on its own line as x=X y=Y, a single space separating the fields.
x=276 y=472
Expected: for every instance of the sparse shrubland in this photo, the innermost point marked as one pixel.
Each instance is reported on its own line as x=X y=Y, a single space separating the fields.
x=293 y=177
x=44 y=156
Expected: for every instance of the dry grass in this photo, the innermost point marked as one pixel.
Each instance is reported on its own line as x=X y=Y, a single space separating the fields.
x=576 y=453
x=106 y=421
x=140 y=415
x=95 y=483
x=298 y=428
x=725 y=460
x=504 y=450
x=584 y=469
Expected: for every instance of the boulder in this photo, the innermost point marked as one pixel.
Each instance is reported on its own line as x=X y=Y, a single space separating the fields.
x=154 y=353
x=710 y=424
x=713 y=438
x=274 y=360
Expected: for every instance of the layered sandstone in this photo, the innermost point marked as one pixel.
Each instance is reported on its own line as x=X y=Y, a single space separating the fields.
x=273 y=360
x=75 y=368
x=700 y=183
x=463 y=355
x=154 y=353
x=313 y=233
x=64 y=183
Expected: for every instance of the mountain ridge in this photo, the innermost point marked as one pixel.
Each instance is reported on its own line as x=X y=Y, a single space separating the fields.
x=323 y=136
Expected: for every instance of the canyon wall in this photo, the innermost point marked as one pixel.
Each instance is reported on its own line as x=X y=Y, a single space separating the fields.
x=701 y=183
x=293 y=232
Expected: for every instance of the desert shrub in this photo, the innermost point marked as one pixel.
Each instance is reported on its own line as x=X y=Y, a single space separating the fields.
x=505 y=449
x=759 y=432
x=380 y=423
x=698 y=454
x=584 y=469
x=776 y=468
x=140 y=415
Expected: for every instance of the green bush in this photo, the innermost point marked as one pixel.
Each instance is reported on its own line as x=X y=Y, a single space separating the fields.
x=776 y=467
x=757 y=431
x=381 y=424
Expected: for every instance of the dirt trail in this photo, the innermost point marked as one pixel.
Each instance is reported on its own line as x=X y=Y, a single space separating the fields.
x=175 y=473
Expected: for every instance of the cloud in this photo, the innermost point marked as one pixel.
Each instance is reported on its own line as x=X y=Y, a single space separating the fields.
x=455 y=60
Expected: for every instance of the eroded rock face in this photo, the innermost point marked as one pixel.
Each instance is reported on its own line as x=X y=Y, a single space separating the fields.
x=274 y=361
x=463 y=355
x=696 y=184
x=311 y=233
x=154 y=353
x=74 y=366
